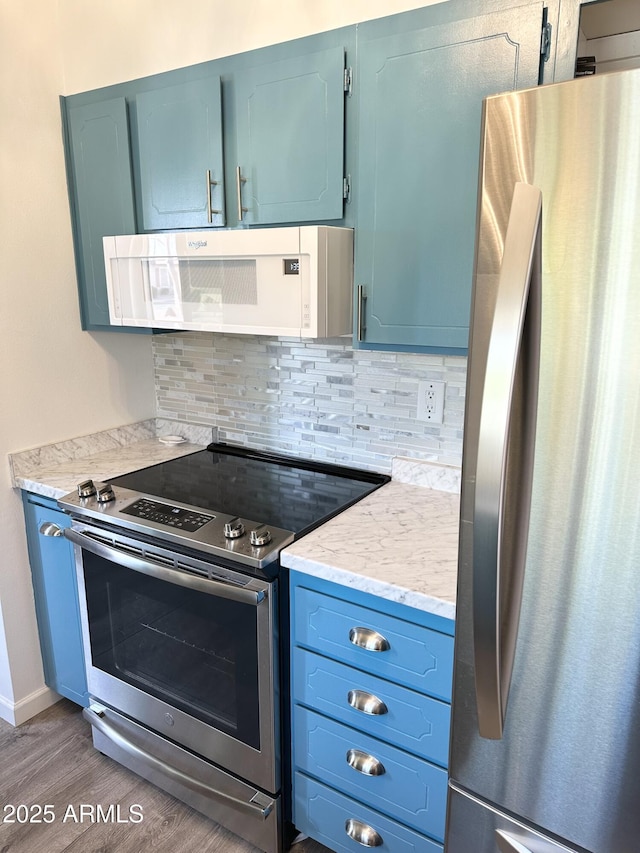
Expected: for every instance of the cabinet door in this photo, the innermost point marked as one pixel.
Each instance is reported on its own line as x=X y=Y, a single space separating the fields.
x=290 y=139
x=179 y=156
x=56 y=599
x=101 y=191
x=421 y=90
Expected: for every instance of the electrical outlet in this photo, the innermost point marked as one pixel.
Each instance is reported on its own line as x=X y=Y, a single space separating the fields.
x=431 y=401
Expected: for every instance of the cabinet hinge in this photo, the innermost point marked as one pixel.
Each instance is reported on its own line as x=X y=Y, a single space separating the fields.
x=545 y=42
x=346 y=188
x=348 y=81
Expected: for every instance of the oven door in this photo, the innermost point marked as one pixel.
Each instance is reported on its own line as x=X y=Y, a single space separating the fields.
x=183 y=646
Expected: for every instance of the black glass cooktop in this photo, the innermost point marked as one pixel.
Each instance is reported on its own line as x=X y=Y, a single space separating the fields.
x=282 y=491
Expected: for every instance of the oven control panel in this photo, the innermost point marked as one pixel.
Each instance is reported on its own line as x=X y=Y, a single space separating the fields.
x=242 y=540
x=173 y=516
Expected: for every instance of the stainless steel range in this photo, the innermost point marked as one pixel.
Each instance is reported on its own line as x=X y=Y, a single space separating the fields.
x=183 y=605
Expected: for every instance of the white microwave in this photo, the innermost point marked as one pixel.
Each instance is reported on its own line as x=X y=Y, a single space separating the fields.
x=294 y=281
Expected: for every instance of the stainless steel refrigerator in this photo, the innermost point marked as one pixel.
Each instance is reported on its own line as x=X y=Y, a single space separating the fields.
x=545 y=749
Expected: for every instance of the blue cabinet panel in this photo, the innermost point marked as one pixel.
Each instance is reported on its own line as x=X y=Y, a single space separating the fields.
x=413 y=721
x=178 y=153
x=290 y=138
x=421 y=86
x=56 y=599
x=323 y=814
x=369 y=744
x=101 y=194
x=406 y=788
x=416 y=657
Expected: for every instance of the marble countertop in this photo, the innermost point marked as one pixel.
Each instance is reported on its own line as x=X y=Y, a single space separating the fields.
x=399 y=543
x=57 y=479
x=56 y=469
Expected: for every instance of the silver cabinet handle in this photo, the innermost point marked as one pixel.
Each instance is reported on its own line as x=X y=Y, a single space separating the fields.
x=366 y=702
x=506 y=844
x=368 y=639
x=361 y=327
x=146 y=566
x=505 y=449
x=96 y=717
x=48 y=528
x=210 y=211
x=365 y=763
x=362 y=833
x=239 y=181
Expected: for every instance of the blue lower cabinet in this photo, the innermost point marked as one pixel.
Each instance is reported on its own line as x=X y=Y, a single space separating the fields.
x=412 y=721
x=412 y=655
x=345 y=825
x=393 y=782
x=55 y=592
x=370 y=683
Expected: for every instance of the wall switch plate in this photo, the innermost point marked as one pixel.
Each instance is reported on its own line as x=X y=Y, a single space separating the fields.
x=431 y=401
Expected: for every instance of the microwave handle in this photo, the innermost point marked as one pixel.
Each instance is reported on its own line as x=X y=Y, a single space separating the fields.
x=243 y=595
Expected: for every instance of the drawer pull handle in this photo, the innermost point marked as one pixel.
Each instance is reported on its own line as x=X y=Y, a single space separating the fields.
x=48 y=528
x=366 y=702
x=370 y=640
x=362 y=833
x=365 y=763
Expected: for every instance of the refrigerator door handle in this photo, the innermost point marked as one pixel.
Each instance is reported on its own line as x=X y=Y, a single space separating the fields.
x=506 y=844
x=504 y=473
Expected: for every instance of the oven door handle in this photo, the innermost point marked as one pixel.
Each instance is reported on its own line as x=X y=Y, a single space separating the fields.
x=260 y=804
x=244 y=595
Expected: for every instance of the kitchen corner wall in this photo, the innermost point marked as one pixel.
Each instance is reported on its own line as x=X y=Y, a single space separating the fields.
x=320 y=400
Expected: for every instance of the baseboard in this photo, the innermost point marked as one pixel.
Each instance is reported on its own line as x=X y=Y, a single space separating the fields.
x=17 y=713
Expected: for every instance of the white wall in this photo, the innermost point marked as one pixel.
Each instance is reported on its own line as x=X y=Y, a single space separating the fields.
x=57 y=381
x=108 y=41
x=615 y=53
x=611 y=33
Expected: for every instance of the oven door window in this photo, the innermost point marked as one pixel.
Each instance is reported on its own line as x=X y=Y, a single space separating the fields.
x=194 y=651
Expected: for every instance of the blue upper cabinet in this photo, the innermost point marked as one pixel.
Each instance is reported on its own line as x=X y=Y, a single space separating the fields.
x=179 y=156
x=101 y=194
x=190 y=148
x=421 y=77
x=273 y=136
x=290 y=139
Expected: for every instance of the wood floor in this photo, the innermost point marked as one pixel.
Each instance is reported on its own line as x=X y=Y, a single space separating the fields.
x=50 y=761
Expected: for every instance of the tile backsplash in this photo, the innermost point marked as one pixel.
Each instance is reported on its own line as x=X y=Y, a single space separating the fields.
x=321 y=400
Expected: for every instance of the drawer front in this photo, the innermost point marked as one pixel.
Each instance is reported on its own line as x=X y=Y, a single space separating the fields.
x=324 y=814
x=412 y=721
x=400 y=785
x=416 y=656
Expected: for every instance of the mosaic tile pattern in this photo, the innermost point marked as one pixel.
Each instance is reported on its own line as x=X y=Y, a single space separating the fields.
x=321 y=400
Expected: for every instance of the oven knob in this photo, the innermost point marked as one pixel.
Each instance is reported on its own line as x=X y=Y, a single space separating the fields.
x=105 y=494
x=86 y=489
x=260 y=537
x=233 y=529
